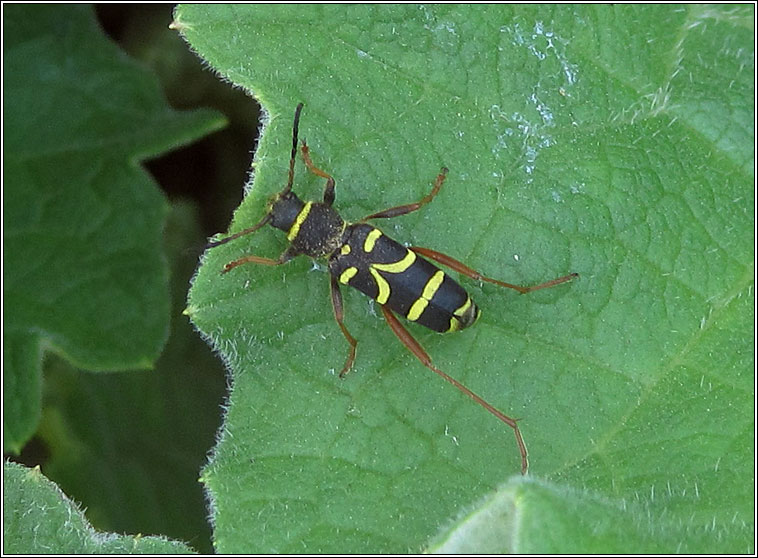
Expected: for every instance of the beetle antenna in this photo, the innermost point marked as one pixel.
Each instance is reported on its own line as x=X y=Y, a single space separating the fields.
x=291 y=175
x=258 y=225
x=287 y=188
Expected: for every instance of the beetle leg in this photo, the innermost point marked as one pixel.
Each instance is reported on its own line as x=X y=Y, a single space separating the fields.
x=286 y=256
x=339 y=315
x=409 y=208
x=329 y=189
x=460 y=267
x=413 y=346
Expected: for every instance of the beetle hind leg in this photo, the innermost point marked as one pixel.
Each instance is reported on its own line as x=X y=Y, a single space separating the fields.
x=413 y=346
x=462 y=268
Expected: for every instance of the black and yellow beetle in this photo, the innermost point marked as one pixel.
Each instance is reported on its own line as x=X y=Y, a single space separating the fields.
x=361 y=256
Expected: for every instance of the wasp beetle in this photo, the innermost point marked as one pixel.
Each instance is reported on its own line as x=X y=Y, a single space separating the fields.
x=400 y=279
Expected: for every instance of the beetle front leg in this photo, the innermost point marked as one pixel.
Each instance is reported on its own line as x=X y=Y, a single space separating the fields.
x=284 y=258
x=329 y=188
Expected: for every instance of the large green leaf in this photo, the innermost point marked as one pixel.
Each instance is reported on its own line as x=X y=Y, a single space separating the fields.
x=129 y=446
x=39 y=519
x=84 y=274
x=610 y=141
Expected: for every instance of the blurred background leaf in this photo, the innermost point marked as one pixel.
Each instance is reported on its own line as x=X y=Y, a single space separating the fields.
x=39 y=519
x=127 y=445
x=85 y=275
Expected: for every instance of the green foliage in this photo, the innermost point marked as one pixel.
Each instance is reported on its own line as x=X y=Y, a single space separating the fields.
x=614 y=141
x=84 y=274
x=39 y=519
x=130 y=445
x=610 y=141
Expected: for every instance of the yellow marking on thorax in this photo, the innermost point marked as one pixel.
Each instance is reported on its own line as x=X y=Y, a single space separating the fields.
x=299 y=220
x=348 y=274
x=371 y=239
x=345 y=250
x=421 y=303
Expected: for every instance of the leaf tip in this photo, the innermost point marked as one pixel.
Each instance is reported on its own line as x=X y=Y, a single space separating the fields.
x=180 y=26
